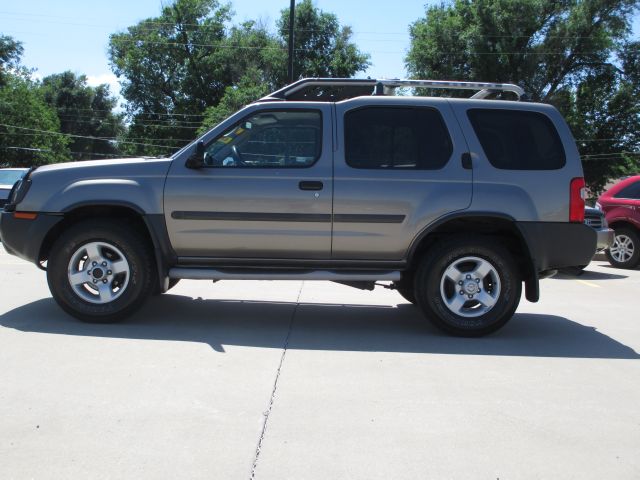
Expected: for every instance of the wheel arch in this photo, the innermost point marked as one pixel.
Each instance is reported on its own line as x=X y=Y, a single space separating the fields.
x=622 y=223
x=150 y=227
x=489 y=224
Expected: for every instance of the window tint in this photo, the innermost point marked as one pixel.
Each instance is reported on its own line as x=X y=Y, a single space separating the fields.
x=630 y=191
x=517 y=140
x=271 y=139
x=399 y=138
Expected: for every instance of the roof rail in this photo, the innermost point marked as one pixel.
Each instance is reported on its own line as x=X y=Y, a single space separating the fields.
x=336 y=89
x=483 y=88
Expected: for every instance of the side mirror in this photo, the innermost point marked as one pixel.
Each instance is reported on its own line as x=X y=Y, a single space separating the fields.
x=196 y=160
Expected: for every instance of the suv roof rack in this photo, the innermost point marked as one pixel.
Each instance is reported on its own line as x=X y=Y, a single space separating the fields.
x=336 y=89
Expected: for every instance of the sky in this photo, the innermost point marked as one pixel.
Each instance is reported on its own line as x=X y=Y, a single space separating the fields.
x=74 y=34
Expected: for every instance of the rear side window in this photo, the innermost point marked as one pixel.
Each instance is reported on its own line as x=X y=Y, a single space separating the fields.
x=517 y=140
x=396 y=138
x=630 y=191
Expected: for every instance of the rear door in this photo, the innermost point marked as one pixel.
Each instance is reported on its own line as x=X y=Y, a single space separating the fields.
x=265 y=191
x=398 y=169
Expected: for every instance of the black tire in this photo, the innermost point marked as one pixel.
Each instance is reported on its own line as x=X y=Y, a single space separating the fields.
x=501 y=287
x=129 y=289
x=407 y=293
x=625 y=238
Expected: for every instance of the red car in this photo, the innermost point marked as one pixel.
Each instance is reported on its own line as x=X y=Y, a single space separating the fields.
x=621 y=206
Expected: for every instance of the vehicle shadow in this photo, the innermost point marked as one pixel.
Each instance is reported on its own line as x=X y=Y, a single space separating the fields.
x=586 y=275
x=321 y=326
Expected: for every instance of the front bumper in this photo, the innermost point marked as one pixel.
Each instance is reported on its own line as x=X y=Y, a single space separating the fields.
x=24 y=238
x=605 y=238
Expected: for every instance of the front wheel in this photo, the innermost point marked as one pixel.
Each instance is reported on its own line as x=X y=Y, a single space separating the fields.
x=468 y=286
x=625 y=251
x=99 y=271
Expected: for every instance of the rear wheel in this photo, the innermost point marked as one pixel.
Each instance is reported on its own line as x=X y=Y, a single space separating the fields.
x=625 y=251
x=100 y=272
x=468 y=286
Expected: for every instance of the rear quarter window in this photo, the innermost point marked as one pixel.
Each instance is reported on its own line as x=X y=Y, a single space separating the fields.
x=518 y=140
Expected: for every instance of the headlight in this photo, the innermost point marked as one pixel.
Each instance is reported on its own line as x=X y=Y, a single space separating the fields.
x=18 y=193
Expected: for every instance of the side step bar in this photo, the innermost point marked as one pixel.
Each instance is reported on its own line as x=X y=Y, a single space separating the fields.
x=212 y=274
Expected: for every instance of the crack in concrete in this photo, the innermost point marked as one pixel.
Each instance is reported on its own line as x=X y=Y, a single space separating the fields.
x=275 y=387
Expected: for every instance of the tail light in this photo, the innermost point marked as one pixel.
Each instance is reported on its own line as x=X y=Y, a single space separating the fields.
x=578 y=194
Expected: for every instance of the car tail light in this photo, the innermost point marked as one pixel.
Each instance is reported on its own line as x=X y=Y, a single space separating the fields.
x=578 y=194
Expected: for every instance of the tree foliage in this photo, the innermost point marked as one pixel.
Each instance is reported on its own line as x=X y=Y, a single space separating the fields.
x=10 y=54
x=323 y=48
x=573 y=54
x=28 y=126
x=189 y=59
x=84 y=112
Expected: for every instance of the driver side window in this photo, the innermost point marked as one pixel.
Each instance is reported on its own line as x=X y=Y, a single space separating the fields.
x=269 y=139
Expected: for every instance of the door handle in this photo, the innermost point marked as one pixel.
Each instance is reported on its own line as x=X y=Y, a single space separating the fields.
x=466 y=161
x=310 y=185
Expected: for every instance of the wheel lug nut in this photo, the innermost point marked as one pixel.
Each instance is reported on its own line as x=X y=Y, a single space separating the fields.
x=461 y=292
x=460 y=283
x=109 y=272
x=470 y=296
x=477 y=280
x=95 y=281
x=104 y=264
x=94 y=263
x=468 y=277
x=104 y=281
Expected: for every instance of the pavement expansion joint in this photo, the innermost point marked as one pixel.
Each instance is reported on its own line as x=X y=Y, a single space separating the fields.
x=275 y=387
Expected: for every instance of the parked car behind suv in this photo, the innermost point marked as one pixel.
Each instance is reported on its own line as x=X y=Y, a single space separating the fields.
x=621 y=205
x=455 y=202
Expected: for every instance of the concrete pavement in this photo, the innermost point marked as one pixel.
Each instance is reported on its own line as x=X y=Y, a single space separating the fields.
x=311 y=380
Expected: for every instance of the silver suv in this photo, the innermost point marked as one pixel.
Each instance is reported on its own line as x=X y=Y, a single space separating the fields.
x=454 y=202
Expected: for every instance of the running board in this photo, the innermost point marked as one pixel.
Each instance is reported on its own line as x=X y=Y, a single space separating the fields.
x=212 y=274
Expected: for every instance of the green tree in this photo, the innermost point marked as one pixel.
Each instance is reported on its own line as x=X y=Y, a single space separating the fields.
x=190 y=59
x=84 y=112
x=172 y=70
x=323 y=48
x=28 y=126
x=10 y=53
x=575 y=55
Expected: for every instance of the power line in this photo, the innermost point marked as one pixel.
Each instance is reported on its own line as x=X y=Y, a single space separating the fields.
x=153 y=22
x=108 y=139
x=111 y=111
x=71 y=151
x=115 y=139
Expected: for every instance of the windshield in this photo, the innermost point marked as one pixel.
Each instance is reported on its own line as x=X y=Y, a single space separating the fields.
x=9 y=177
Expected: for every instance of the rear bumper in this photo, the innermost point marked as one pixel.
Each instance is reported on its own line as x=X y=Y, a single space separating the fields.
x=24 y=238
x=555 y=245
x=605 y=238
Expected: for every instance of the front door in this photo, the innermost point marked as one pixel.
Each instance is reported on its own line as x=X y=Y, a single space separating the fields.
x=265 y=190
